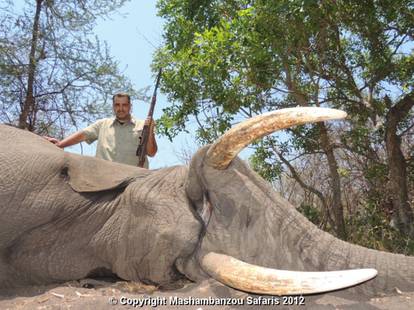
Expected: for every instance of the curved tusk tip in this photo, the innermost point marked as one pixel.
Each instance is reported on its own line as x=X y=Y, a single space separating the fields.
x=337 y=114
x=342 y=114
x=369 y=273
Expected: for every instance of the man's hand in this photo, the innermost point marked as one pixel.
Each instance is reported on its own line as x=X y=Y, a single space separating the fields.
x=52 y=140
x=151 y=123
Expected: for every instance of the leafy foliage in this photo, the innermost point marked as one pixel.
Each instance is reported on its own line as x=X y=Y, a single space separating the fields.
x=228 y=60
x=311 y=212
x=370 y=228
x=263 y=162
x=52 y=44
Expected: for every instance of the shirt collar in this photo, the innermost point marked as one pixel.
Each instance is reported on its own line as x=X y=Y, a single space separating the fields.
x=131 y=121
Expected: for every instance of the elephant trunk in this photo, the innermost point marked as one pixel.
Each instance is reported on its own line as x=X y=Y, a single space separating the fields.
x=311 y=249
x=272 y=234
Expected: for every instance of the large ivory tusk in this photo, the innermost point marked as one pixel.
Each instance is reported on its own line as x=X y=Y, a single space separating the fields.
x=260 y=280
x=222 y=152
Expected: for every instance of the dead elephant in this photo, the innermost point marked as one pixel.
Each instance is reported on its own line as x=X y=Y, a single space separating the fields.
x=65 y=217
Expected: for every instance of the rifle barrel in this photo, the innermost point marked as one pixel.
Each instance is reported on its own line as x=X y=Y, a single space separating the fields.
x=142 y=146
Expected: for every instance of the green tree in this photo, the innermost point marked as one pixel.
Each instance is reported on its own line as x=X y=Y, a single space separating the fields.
x=55 y=72
x=234 y=59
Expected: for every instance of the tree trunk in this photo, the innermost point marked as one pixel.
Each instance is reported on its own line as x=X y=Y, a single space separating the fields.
x=335 y=185
x=306 y=187
x=29 y=103
x=338 y=208
x=397 y=184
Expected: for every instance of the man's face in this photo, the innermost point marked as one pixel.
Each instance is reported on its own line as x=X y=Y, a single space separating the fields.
x=122 y=108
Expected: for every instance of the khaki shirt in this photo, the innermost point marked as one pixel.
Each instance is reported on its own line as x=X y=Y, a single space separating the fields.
x=116 y=142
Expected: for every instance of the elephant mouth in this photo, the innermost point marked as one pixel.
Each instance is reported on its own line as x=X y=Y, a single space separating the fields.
x=256 y=279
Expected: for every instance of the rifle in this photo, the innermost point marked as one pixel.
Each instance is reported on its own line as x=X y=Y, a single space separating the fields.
x=143 y=140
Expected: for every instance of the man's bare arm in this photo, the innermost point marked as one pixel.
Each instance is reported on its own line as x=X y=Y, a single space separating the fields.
x=75 y=138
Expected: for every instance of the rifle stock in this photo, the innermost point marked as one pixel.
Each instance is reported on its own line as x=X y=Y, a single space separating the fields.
x=143 y=140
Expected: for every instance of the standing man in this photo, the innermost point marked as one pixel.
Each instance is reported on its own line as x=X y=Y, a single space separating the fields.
x=117 y=136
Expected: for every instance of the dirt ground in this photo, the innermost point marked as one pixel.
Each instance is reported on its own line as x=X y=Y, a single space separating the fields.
x=124 y=295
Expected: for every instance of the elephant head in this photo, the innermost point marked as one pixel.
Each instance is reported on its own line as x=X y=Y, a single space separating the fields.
x=66 y=216
x=256 y=230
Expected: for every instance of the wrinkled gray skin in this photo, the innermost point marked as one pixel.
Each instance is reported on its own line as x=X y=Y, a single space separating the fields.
x=65 y=217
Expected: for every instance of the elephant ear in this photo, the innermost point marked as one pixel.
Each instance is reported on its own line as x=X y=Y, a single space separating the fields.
x=90 y=174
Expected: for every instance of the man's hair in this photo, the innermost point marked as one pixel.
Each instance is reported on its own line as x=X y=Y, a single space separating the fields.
x=120 y=95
